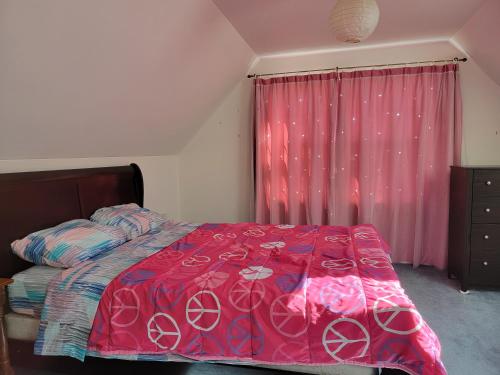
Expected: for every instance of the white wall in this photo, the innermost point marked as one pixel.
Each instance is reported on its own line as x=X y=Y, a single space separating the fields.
x=86 y=83
x=216 y=181
x=111 y=78
x=211 y=179
x=160 y=175
x=215 y=166
x=476 y=36
x=481 y=118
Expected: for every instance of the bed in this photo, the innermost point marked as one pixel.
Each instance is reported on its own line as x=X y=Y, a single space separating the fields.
x=35 y=200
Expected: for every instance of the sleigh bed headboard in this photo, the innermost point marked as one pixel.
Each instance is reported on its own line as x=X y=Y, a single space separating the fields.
x=30 y=201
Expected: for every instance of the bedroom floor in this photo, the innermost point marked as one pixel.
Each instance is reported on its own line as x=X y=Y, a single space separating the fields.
x=468 y=326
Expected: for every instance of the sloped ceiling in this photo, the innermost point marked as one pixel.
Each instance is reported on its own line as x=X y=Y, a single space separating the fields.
x=271 y=26
x=480 y=37
x=111 y=77
x=95 y=78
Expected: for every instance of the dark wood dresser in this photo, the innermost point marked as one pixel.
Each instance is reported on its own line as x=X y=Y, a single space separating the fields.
x=474 y=234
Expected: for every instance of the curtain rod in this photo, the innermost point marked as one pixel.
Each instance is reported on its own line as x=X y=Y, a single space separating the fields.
x=455 y=60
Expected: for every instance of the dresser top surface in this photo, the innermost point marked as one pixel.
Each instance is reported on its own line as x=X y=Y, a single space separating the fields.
x=476 y=167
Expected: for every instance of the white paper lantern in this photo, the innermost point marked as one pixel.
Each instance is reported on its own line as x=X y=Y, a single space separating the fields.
x=354 y=20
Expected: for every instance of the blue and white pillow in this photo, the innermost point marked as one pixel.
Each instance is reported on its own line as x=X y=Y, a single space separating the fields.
x=69 y=243
x=131 y=218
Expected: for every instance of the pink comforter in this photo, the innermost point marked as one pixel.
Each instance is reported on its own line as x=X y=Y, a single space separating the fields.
x=278 y=294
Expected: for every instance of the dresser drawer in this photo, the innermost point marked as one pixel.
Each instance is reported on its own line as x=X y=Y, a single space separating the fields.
x=486 y=210
x=485 y=242
x=485 y=271
x=485 y=237
x=486 y=183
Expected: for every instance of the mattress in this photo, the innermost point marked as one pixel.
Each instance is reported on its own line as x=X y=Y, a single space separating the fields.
x=27 y=292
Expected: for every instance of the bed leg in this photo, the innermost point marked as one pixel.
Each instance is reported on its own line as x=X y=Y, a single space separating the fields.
x=5 y=367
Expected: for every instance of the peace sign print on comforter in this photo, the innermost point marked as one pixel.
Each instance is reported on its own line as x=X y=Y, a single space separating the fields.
x=273 y=294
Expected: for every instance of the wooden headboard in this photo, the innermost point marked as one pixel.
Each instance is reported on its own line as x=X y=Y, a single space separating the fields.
x=31 y=201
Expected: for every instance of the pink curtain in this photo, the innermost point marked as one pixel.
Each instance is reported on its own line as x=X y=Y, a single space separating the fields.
x=362 y=147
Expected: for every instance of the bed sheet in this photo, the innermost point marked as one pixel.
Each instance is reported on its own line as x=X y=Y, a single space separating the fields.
x=27 y=293
x=74 y=294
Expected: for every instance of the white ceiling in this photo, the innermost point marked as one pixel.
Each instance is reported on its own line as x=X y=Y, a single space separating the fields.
x=271 y=26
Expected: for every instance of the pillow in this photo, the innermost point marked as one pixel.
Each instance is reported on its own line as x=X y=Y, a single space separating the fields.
x=134 y=220
x=69 y=243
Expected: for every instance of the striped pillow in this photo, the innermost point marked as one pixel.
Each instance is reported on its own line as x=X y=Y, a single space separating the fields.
x=132 y=219
x=69 y=243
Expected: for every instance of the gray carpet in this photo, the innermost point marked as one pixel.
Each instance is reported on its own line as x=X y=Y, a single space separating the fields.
x=467 y=325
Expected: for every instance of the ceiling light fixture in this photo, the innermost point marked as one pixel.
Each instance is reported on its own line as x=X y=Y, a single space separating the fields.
x=354 y=20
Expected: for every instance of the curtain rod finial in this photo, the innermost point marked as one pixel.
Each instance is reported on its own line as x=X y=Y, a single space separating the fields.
x=251 y=76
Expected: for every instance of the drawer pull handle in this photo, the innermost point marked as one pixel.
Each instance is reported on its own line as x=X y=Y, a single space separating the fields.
x=487 y=210
x=488 y=183
x=485 y=263
x=486 y=237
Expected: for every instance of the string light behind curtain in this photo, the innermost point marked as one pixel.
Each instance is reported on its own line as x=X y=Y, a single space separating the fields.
x=361 y=147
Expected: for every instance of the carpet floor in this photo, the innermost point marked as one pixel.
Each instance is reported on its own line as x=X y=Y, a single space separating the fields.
x=468 y=326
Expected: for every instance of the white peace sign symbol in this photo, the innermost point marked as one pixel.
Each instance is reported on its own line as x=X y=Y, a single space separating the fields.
x=220 y=236
x=281 y=314
x=169 y=255
x=256 y=272
x=342 y=299
x=364 y=235
x=200 y=310
x=241 y=294
x=338 y=264
x=254 y=233
x=195 y=261
x=120 y=307
x=285 y=226
x=374 y=252
x=341 y=340
x=396 y=310
x=211 y=279
x=272 y=245
x=239 y=254
x=376 y=262
x=156 y=332
x=291 y=351
x=342 y=238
